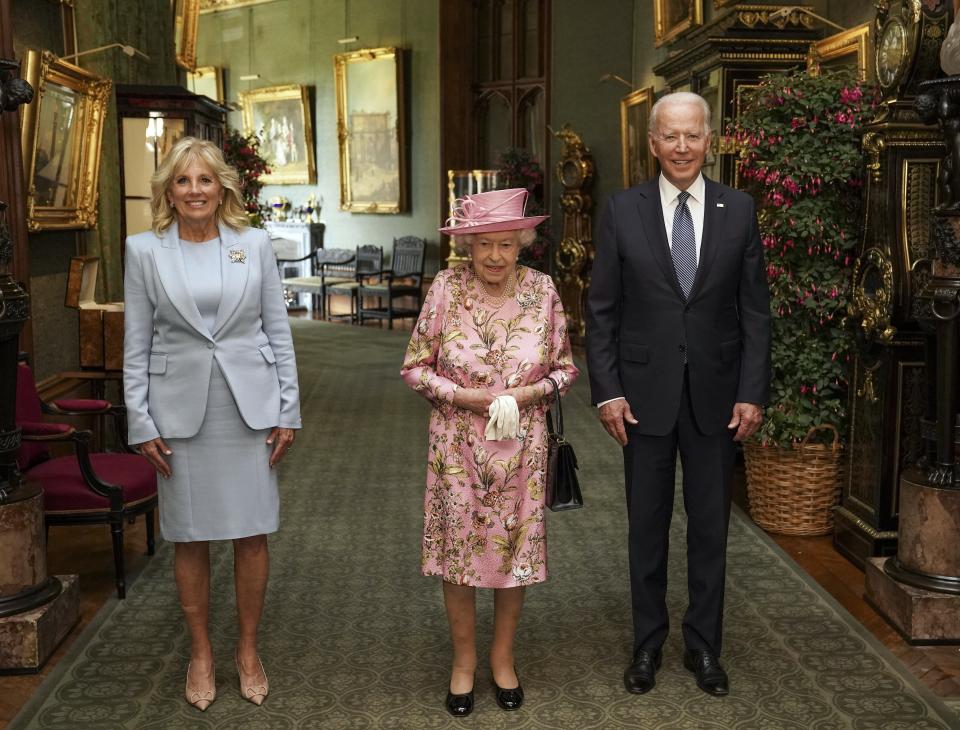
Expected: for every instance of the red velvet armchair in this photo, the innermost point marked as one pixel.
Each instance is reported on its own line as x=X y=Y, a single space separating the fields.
x=84 y=487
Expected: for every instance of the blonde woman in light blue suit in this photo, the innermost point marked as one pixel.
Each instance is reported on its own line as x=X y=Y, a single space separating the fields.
x=210 y=383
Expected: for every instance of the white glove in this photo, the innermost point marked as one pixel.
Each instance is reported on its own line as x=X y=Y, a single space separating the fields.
x=504 y=420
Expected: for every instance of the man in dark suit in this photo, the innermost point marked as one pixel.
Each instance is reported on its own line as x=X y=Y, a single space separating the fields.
x=678 y=348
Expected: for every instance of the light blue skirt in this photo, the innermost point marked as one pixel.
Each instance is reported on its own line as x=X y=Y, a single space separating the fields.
x=222 y=486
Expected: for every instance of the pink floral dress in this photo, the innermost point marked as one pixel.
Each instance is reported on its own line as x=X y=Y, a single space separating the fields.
x=484 y=503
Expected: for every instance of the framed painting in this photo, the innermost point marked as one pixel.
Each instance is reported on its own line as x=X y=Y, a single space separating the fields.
x=637 y=163
x=673 y=18
x=186 y=16
x=280 y=117
x=208 y=81
x=371 y=130
x=850 y=49
x=60 y=136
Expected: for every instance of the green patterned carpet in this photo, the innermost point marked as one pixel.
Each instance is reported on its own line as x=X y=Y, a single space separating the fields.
x=354 y=637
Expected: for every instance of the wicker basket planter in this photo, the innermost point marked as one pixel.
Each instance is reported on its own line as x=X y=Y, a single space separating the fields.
x=793 y=491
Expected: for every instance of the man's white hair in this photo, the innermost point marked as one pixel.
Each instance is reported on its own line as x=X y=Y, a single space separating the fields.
x=680 y=97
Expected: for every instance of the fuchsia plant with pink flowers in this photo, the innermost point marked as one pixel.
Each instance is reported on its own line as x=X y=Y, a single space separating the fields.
x=799 y=142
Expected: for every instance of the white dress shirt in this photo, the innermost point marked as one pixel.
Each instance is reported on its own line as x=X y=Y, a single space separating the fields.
x=669 y=194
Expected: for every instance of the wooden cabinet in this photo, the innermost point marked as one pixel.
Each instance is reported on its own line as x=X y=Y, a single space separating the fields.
x=151 y=120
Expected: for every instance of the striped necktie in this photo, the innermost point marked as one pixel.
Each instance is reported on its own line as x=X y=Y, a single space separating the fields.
x=683 y=245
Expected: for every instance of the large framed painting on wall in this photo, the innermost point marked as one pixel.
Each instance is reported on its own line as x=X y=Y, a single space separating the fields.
x=186 y=17
x=673 y=18
x=637 y=163
x=280 y=117
x=371 y=130
x=60 y=137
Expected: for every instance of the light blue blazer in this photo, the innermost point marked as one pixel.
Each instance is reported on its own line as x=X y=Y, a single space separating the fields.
x=168 y=351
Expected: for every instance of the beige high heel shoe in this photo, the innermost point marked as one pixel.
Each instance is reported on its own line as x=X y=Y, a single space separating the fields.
x=200 y=698
x=255 y=693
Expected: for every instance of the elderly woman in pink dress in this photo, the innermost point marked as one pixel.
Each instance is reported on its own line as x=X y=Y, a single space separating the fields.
x=489 y=336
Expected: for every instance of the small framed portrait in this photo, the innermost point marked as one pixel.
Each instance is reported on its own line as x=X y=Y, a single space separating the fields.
x=371 y=129
x=637 y=162
x=186 y=16
x=673 y=18
x=208 y=81
x=850 y=49
x=280 y=117
x=60 y=137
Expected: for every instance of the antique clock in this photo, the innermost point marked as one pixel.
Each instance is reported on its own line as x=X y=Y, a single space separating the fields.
x=887 y=397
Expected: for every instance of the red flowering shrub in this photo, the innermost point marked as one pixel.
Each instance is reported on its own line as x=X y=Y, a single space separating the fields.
x=800 y=157
x=243 y=153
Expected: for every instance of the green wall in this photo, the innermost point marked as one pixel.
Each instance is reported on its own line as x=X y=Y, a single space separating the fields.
x=293 y=42
x=586 y=44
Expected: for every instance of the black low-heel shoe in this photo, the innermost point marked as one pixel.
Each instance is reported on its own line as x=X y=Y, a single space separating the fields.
x=460 y=705
x=509 y=699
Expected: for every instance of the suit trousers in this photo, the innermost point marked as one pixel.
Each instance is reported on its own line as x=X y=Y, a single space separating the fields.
x=650 y=467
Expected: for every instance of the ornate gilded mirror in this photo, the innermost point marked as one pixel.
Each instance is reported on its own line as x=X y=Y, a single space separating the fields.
x=60 y=138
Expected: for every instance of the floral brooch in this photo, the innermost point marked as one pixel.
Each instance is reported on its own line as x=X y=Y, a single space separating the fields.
x=237 y=256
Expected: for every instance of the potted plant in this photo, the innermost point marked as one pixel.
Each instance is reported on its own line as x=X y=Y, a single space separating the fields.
x=243 y=152
x=799 y=142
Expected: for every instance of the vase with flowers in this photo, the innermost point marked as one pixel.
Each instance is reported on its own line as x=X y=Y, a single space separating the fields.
x=798 y=137
x=243 y=153
x=518 y=168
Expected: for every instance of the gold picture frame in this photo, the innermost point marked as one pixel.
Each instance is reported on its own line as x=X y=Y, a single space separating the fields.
x=186 y=17
x=371 y=119
x=637 y=164
x=673 y=18
x=280 y=117
x=207 y=81
x=853 y=47
x=60 y=137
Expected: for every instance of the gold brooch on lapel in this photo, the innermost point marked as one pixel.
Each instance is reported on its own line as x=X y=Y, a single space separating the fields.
x=237 y=256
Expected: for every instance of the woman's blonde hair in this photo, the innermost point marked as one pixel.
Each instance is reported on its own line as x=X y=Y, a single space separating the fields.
x=188 y=149
x=462 y=242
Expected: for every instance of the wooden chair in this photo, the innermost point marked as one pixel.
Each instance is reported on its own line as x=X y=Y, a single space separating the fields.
x=83 y=488
x=369 y=263
x=404 y=278
x=328 y=266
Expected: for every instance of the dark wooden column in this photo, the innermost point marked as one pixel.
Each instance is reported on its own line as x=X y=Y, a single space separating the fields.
x=457 y=133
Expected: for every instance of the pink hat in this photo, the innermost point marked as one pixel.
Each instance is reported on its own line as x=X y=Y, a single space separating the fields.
x=496 y=210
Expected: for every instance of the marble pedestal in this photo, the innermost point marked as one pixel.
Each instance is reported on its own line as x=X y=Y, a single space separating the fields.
x=921 y=616
x=28 y=639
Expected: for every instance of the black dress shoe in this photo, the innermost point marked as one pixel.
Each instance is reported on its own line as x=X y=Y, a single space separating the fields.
x=711 y=677
x=460 y=705
x=509 y=699
x=640 y=676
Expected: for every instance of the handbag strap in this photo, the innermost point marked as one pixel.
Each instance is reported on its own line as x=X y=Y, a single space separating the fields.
x=556 y=393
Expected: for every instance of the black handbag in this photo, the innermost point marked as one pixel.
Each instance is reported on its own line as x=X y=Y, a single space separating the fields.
x=563 y=487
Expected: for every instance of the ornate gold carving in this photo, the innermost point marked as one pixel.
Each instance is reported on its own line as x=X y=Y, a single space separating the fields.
x=575 y=252
x=758 y=15
x=866 y=390
x=872 y=299
x=62 y=166
x=918 y=197
x=865 y=526
x=873 y=144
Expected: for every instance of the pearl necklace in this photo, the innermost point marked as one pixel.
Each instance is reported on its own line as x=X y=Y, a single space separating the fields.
x=508 y=291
